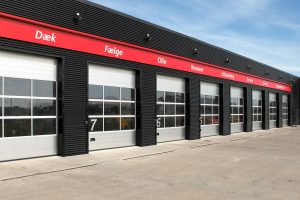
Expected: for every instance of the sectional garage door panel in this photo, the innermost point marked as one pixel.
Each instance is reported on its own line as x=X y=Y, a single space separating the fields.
x=236 y=109
x=28 y=96
x=111 y=108
x=285 y=110
x=272 y=110
x=209 y=109
x=170 y=108
x=257 y=110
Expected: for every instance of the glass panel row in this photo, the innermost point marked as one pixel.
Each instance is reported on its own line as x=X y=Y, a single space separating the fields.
x=209 y=120
x=170 y=97
x=209 y=99
x=27 y=127
x=27 y=87
x=111 y=124
x=256 y=102
x=111 y=93
x=170 y=109
x=236 y=118
x=236 y=101
x=257 y=118
x=273 y=117
x=169 y=122
x=110 y=108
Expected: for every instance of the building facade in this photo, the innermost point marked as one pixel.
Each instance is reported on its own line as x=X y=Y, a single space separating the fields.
x=77 y=77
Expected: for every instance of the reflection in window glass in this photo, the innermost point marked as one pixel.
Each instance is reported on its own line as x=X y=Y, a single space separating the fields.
x=44 y=126
x=95 y=124
x=170 y=97
x=179 y=97
x=111 y=93
x=208 y=99
x=17 y=127
x=170 y=109
x=179 y=109
x=215 y=119
x=17 y=107
x=128 y=109
x=169 y=121
x=179 y=121
x=111 y=108
x=208 y=120
x=17 y=87
x=127 y=123
x=112 y=124
x=128 y=94
x=95 y=92
x=215 y=100
x=160 y=96
x=95 y=108
x=43 y=88
x=42 y=107
x=160 y=109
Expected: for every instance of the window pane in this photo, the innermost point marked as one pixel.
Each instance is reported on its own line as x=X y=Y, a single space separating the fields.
x=235 y=119
x=160 y=109
x=260 y=102
x=43 y=107
x=202 y=99
x=43 y=88
x=215 y=120
x=111 y=124
x=0 y=108
x=1 y=85
x=17 y=87
x=170 y=122
x=179 y=97
x=235 y=110
x=208 y=99
x=44 y=126
x=95 y=92
x=160 y=96
x=128 y=123
x=202 y=109
x=170 y=97
x=128 y=109
x=111 y=93
x=234 y=101
x=111 y=108
x=128 y=94
x=255 y=102
x=17 y=107
x=215 y=109
x=259 y=118
x=95 y=124
x=160 y=122
x=17 y=127
x=241 y=101
x=241 y=118
x=208 y=120
x=241 y=110
x=208 y=110
x=170 y=109
x=179 y=109
x=179 y=121
x=215 y=100
x=95 y=108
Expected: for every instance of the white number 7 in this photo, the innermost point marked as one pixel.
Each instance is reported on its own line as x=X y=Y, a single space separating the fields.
x=94 y=123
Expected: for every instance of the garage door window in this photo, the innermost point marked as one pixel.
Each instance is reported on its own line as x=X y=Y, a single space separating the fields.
x=209 y=110
x=28 y=107
x=111 y=108
x=257 y=110
x=237 y=110
x=285 y=108
x=273 y=110
x=170 y=109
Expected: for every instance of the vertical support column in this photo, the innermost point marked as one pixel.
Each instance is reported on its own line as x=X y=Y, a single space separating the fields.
x=279 y=110
x=265 y=110
x=248 y=109
x=73 y=139
x=225 y=109
x=193 y=108
x=147 y=105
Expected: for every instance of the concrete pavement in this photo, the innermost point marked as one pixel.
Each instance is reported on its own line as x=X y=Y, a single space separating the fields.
x=258 y=165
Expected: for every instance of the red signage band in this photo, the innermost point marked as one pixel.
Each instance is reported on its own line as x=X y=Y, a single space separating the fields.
x=18 y=28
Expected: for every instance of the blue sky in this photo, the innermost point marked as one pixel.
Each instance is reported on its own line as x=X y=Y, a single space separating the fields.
x=265 y=30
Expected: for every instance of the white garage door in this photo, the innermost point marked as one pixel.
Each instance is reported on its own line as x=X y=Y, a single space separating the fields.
x=237 y=109
x=272 y=110
x=28 y=106
x=170 y=108
x=285 y=110
x=256 y=110
x=209 y=101
x=111 y=107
